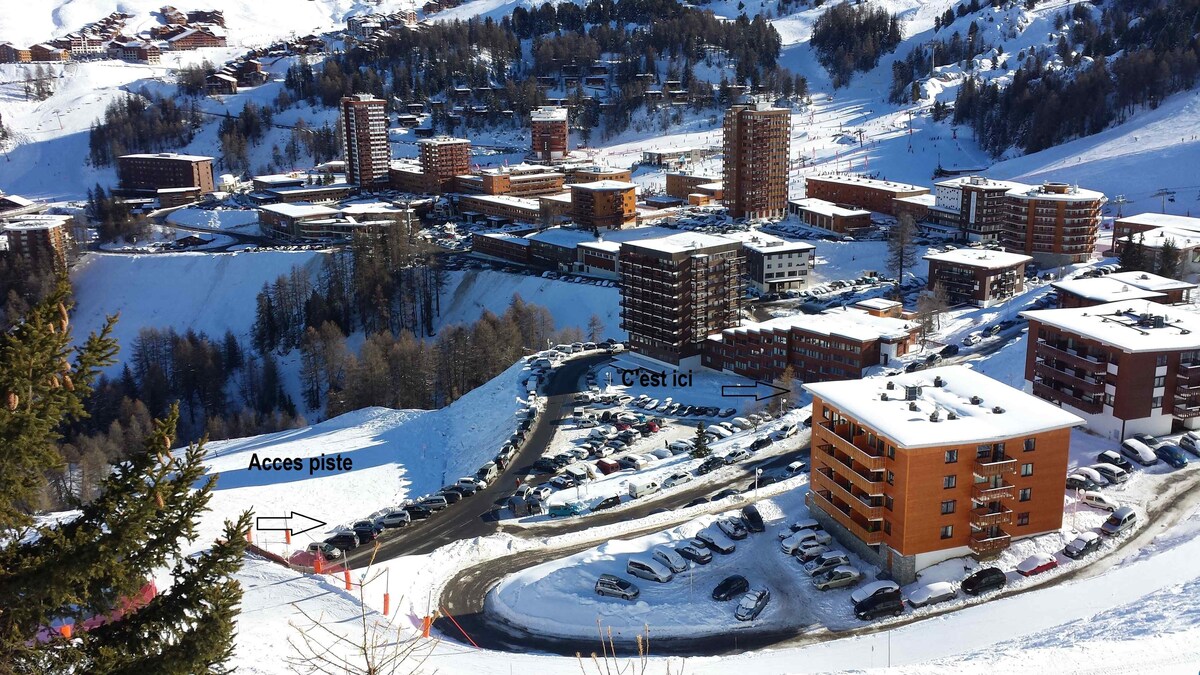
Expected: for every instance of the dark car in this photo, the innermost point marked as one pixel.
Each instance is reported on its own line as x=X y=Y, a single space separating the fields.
x=760 y=443
x=728 y=492
x=731 y=587
x=607 y=503
x=1080 y=482
x=1171 y=454
x=344 y=540
x=697 y=501
x=365 y=533
x=709 y=465
x=543 y=465
x=933 y=358
x=914 y=367
x=1082 y=545
x=752 y=518
x=451 y=494
x=949 y=350
x=697 y=555
x=418 y=512
x=885 y=604
x=1113 y=457
x=986 y=579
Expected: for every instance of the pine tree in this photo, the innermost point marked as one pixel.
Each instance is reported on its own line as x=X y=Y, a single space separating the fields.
x=1169 y=259
x=1133 y=255
x=902 y=248
x=700 y=448
x=595 y=328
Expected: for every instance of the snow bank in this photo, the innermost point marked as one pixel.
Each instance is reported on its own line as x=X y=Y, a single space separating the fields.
x=571 y=304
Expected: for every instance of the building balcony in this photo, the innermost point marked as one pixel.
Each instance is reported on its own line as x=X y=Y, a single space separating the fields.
x=1189 y=373
x=863 y=482
x=1043 y=390
x=826 y=480
x=1069 y=378
x=823 y=502
x=985 y=544
x=984 y=517
x=994 y=466
x=1088 y=362
x=1186 y=411
x=984 y=492
x=840 y=438
x=1186 y=390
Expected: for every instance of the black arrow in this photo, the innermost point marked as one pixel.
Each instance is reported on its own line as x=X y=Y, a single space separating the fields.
x=753 y=391
x=299 y=523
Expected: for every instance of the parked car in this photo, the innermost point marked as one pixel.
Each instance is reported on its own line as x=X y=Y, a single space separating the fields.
x=806 y=524
x=434 y=502
x=1171 y=454
x=367 y=530
x=891 y=604
x=696 y=555
x=1122 y=519
x=541 y=492
x=669 y=557
x=742 y=422
x=728 y=412
x=1113 y=457
x=394 y=519
x=451 y=494
x=972 y=339
x=1098 y=500
x=949 y=350
x=1190 y=443
x=932 y=594
x=344 y=540
x=1077 y=481
x=681 y=446
x=826 y=561
x=1082 y=545
x=838 y=577
x=760 y=443
x=1036 y=564
x=1091 y=473
x=737 y=455
x=1147 y=440
x=616 y=587
x=418 y=511
x=733 y=528
x=1115 y=475
x=573 y=508
x=709 y=465
x=794 y=542
x=794 y=469
x=752 y=518
x=986 y=579
x=752 y=604
x=649 y=569
x=882 y=587
x=325 y=550
x=716 y=541
x=607 y=503
x=730 y=587
x=678 y=478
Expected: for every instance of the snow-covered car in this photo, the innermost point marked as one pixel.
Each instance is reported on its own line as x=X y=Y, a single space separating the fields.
x=737 y=455
x=752 y=604
x=874 y=588
x=809 y=549
x=932 y=594
x=669 y=557
x=328 y=551
x=677 y=479
x=1139 y=452
x=681 y=446
x=661 y=453
x=1099 y=500
x=728 y=412
x=1036 y=564
x=733 y=528
x=719 y=432
x=1115 y=475
x=616 y=587
x=799 y=539
x=838 y=577
x=826 y=561
x=787 y=431
x=805 y=524
x=742 y=422
x=694 y=553
x=716 y=541
x=649 y=569
x=1082 y=545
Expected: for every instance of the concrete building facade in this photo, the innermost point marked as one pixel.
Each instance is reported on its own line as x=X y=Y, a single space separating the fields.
x=977 y=276
x=603 y=205
x=549 y=133
x=442 y=159
x=1056 y=223
x=149 y=173
x=757 y=144
x=365 y=140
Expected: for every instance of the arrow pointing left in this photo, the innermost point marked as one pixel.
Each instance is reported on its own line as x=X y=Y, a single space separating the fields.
x=297 y=523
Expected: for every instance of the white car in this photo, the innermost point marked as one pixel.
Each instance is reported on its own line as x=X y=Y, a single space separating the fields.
x=737 y=456
x=742 y=422
x=677 y=479
x=806 y=524
x=931 y=594
x=649 y=569
x=669 y=557
x=794 y=542
x=1099 y=500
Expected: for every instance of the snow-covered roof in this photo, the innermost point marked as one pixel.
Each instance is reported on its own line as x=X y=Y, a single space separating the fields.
x=300 y=210
x=1182 y=238
x=853 y=324
x=548 y=114
x=519 y=241
x=920 y=200
x=1150 y=282
x=31 y=225
x=1119 y=324
x=875 y=183
x=280 y=179
x=1004 y=412
x=682 y=242
x=604 y=185
x=978 y=257
x=877 y=304
x=564 y=197
x=301 y=189
x=1104 y=289
x=16 y=200
x=1163 y=220
x=1049 y=192
x=979 y=181
x=506 y=200
x=824 y=208
x=443 y=140
x=762 y=242
x=168 y=155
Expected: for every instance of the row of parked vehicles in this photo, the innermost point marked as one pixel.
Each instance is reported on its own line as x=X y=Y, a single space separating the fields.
x=663 y=562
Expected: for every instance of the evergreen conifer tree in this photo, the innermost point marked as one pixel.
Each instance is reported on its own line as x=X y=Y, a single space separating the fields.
x=1168 y=263
x=700 y=448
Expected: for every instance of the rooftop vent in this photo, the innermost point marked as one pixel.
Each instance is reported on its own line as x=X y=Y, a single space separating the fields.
x=891 y=385
x=912 y=405
x=934 y=417
x=976 y=400
x=883 y=396
x=998 y=410
x=938 y=381
x=951 y=415
x=912 y=392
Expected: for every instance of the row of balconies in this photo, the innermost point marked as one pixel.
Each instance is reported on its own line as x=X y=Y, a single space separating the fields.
x=1050 y=393
x=1069 y=378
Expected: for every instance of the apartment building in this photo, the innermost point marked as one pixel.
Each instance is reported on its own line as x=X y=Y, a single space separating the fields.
x=775 y=265
x=1125 y=367
x=1056 y=223
x=595 y=172
x=603 y=205
x=977 y=276
x=195 y=38
x=1122 y=286
x=677 y=290
x=442 y=159
x=864 y=193
x=365 y=140
x=1153 y=230
x=501 y=207
x=837 y=344
x=828 y=216
x=549 y=133
x=911 y=470
x=520 y=180
x=757 y=144
x=149 y=173
x=974 y=204
x=40 y=241
x=680 y=184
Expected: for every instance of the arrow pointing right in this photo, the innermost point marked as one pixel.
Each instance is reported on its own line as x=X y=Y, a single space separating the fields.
x=297 y=523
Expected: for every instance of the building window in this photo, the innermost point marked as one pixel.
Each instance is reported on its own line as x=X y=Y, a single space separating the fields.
x=1025 y=494
x=1160 y=381
x=947 y=507
x=1027 y=469
x=1161 y=360
x=1030 y=444
x=888 y=502
x=887 y=527
x=951 y=456
x=891 y=452
x=825 y=412
x=891 y=478
x=1023 y=518
x=949 y=482
x=947 y=531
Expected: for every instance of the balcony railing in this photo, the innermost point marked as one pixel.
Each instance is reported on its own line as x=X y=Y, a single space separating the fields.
x=991 y=467
x=1091 y=364
x=844 y=519
x=864 y=456
x=1049 y=393
x=1189 y=373
x=984 y=544
x=865 y=483
x=826 y=481
x=984 y=492
x=1068 y=378
x=1186 y=411
x=985 y=517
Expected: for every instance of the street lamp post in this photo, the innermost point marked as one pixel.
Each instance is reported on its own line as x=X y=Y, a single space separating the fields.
x=757 y=473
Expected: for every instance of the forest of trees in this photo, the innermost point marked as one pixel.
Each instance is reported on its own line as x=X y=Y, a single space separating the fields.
x=1155 y=55
x=415 y=65
x=141 y=124
x=848 y=38
x=112 y=217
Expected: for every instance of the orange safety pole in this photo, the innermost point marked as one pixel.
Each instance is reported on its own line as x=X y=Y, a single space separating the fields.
x=426 y=622
x=346 y=573
x=66 y=629
x=287 y=536
x=387 y=603
x=250 y=536
x=318 y=563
